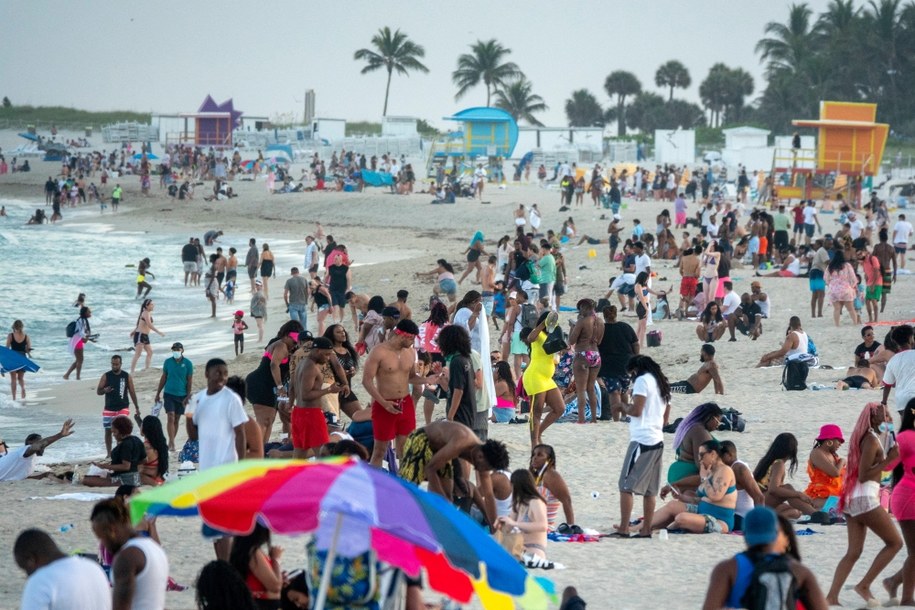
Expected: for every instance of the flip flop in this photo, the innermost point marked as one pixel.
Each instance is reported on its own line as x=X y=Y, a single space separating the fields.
x=616 y=535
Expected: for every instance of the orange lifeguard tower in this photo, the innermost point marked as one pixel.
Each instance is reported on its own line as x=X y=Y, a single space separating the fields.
x=849 y=148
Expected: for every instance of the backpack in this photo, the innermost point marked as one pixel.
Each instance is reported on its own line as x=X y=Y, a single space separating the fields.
x=794 y=375
x=523 y=272
x=528 y=316
x=71 y=329
x=653 y=339
x=772 y=584
x=731 y=421
x=533 y=272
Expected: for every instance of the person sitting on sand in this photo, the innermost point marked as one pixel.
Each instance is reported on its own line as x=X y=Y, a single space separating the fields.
x=748 y=317
x=712 y=325
x=552 y=487
x=528 y=516
x=748 y=493
x=766 y=540
x=861 y=377
x=717 y=494
x=824 y=466
x=695 y=429
x=126 y=458
x=794 y=345
x=17 y=464
x=770 y=473
x=707 y=373
x=428 y=453
x=791 y=265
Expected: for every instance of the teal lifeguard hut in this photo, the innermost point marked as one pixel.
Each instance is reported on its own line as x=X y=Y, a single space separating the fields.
x=485 y=132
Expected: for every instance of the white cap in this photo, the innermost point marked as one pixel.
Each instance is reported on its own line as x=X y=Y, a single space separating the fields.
x=617 y=217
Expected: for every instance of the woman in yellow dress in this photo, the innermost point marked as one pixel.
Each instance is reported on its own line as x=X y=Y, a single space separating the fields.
x=538 y=377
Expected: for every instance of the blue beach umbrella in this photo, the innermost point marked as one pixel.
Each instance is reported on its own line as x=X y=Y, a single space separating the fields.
x=11 y=361
x=149 y=156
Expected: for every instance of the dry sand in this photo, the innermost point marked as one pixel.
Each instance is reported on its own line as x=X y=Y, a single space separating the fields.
x=410 y=234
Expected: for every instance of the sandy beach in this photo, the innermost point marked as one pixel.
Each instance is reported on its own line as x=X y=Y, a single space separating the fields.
x=390 y=237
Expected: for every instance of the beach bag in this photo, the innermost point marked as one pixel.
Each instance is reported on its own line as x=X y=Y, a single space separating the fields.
x=512 y=542
x=71 y=329
x=731 y=421
x=555 y=342
x=653 y=338
x=671 y=428
x=772 y=585
x=528 y=316
x=794 y=375
x=354 y=582
x=811 y=347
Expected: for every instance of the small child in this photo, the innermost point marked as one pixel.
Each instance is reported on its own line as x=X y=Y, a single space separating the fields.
x=638 y=230
x=238 y=328
x=859 y=296
x=230 y=292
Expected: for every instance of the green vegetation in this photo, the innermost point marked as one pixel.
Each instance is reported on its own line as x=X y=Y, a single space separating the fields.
x=17 y=117
x=363 y=128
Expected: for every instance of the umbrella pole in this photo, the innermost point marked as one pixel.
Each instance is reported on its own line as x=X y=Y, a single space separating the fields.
x=328 y=565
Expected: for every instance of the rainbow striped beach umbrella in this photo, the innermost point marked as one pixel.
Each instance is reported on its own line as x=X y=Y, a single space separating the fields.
x=355 y=507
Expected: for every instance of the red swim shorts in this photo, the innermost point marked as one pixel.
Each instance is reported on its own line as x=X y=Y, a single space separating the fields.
x=386 y=425
x=688 y=287
x=763 y=245
x=309 y=428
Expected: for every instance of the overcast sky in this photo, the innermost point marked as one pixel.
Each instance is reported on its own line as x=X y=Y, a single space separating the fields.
x=165 y=56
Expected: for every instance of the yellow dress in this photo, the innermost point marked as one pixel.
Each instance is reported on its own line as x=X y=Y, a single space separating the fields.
x=538 y=376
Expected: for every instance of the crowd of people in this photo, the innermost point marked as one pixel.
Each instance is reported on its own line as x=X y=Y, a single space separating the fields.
x=537 y=374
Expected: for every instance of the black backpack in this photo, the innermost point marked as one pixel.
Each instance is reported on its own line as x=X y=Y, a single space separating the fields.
x=522 y=271
x=71 y=329
x=732 y=421
x=794 y=375
x=772 y=585
x=528 y=316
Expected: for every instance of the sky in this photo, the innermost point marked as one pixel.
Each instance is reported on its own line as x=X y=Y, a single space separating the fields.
x=166 y=56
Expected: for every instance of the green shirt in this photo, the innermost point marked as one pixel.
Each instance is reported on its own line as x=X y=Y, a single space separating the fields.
x=781 y=222
x=177 y=373
x=547 y=269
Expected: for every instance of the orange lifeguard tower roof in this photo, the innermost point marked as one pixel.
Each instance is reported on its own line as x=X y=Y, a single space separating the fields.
x=849 y=139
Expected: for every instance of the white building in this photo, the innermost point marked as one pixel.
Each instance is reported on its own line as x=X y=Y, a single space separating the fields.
x=674 y=146
x=747 y=146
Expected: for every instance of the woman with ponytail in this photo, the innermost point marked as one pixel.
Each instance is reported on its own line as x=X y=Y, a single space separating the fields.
x=860 y=501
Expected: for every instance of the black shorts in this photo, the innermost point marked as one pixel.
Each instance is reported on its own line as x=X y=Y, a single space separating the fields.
x=140 y=338
x=231 y=274
x=173 y=404
x=682 y=387
x=220 y=277
x=338 y=299
x=640 y=311
x=781 y=239
x=252 y=272
x=313 y=268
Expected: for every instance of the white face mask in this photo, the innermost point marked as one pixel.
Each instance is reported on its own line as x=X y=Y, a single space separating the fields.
x=177 y=355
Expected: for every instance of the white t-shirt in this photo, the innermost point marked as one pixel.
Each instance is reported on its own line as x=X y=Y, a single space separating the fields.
x=462 y=318
x=311 y=251
x=642 y=263
x=71 y=583
x=646 y=429
x=902 y=231
x=14 y=466
x=856 y=227
x=216 y=417
x=900 y=373
x=810 y=214
x=730 y=303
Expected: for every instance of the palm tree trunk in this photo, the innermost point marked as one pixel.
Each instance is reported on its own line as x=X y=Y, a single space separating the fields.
x=387 y=90
x=671 y=98
x=620 y=117
x=487 y=95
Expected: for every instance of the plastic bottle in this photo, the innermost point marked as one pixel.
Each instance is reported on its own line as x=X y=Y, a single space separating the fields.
x=66 y=527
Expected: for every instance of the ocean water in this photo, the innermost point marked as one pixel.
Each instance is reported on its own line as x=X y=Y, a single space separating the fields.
x=44 y=268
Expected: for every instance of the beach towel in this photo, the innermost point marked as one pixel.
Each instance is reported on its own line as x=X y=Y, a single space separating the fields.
x=78 y=497
x=377 y=178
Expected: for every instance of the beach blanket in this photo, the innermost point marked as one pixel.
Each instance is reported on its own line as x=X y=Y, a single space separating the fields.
x=78 y=497
x=377 y=178
x=554 y=537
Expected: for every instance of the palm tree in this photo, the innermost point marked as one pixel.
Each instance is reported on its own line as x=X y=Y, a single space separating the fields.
x=621 y=84
x=788 y=45
x=583 y=109
x=672 y=74
x=517 y=99
x=484 y=64
x=393 y=51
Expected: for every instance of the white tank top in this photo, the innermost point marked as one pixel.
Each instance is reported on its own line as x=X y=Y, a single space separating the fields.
x=801 y=345
x=744 y=502
x=504 y=507
x=764 y=305
x=150 y=583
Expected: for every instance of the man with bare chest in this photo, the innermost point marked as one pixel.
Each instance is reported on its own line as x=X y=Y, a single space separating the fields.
x=707 y=373
x=487 y=277
x=389 y=370
x=309 y=427
x=220 y=265
x=886 y=254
